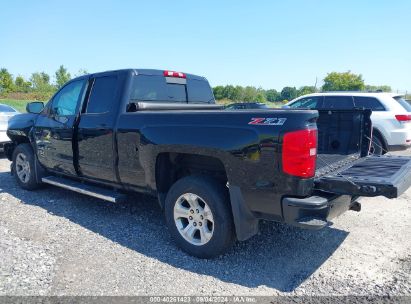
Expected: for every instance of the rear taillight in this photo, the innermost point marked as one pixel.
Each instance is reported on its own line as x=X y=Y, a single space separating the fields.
x=300 y=152
x=403 y=117
x=174 y=74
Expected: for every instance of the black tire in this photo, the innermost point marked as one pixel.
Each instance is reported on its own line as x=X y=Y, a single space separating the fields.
x=30 y=182
x=215 y=195
x=377 y=147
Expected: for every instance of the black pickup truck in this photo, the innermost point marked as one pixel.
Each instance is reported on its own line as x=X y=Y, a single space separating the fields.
x=216 y=172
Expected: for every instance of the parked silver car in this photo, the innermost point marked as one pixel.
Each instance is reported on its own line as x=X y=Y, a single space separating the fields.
x=5 y=113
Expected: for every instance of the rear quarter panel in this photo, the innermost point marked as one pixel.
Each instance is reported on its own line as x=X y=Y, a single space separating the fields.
x=251 y=154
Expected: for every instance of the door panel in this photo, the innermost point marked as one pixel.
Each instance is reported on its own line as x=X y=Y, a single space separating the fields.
x=95 y=145
x=53 y=130
x=95 y=131
x=54 y=143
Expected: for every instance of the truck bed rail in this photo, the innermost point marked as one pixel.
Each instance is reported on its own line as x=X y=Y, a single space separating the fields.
x=161 y=106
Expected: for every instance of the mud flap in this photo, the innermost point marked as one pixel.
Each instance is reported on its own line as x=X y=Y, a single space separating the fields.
x=246 y=224
x=385 y=175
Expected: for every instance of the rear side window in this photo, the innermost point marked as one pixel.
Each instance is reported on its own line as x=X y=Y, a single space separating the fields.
x=199 y=91
x=368 y=103
x=308 y=103
x=403 y=102
x=102 y=95
x=338 y=102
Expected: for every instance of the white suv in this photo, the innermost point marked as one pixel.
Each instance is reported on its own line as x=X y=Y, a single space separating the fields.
x=391 y=114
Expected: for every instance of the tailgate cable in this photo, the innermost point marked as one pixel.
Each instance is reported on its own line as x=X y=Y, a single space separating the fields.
x=339 y=173
x=382 y=148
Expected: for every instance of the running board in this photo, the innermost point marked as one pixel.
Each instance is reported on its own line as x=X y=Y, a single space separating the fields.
x=94 y=191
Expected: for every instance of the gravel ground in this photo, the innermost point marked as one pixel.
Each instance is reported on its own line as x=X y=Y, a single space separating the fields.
x=55 y=242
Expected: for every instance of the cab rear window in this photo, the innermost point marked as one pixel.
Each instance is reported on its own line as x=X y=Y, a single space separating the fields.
x=155 y=88
x=199 y=91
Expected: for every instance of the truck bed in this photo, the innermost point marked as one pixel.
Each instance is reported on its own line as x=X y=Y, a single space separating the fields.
x=342 y=139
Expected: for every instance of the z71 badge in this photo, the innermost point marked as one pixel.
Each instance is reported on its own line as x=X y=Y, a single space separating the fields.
x=271 y=121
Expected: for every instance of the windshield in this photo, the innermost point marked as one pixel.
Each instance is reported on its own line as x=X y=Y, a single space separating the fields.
x=7 y=109
x=403 y=102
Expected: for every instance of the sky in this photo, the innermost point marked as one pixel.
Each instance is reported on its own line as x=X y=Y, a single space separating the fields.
x=268 y=44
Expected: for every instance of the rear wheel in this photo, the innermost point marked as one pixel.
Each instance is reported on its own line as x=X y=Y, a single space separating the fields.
x=199 y=216
x=23 y=167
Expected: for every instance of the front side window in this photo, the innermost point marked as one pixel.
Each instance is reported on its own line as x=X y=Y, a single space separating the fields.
x=66 y=101
x=102 y=94
x=338 y=102
x=368 y=103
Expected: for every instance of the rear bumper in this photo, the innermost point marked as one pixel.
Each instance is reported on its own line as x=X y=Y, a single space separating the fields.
x=393 y=148
x=399 y=139
x=316 y=211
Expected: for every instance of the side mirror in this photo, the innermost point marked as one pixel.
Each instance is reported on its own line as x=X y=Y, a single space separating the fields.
x=35 y=107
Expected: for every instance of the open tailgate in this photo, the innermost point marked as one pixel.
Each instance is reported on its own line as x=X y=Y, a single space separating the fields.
x=385 y=175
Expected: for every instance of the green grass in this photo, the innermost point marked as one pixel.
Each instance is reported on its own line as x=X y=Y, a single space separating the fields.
x=19 y=105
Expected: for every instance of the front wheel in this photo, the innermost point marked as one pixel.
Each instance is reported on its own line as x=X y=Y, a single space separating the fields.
x=199 y=218
x=23 y=167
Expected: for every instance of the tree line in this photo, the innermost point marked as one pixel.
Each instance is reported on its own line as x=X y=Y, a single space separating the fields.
x=249 y=93
x=334 y=81
x=39 y=86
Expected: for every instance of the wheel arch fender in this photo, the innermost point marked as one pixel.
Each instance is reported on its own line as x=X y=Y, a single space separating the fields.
x=246 y=224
